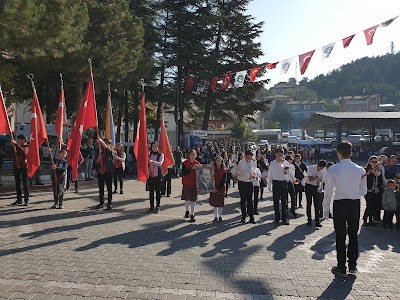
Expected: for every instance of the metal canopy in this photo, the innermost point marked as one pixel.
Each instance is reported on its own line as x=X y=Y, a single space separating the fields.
x=353 y=120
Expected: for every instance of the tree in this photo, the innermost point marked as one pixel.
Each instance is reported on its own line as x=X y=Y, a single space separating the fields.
x=281 y=114
x=241 y=132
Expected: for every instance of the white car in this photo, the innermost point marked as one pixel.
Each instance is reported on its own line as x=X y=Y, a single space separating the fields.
x=263 y=143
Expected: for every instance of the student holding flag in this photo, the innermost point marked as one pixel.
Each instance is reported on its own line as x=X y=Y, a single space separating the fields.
x=20 y=169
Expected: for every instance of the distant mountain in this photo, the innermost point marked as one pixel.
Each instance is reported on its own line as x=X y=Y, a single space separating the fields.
x=376 y=75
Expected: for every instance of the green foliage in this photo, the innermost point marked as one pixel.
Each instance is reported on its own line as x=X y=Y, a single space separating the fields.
x=268 y=124
x=241 y=132
x=281 y=114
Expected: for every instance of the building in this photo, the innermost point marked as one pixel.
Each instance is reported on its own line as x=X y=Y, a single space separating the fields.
x=303 y=110
x=285 y=88
x=365 y=103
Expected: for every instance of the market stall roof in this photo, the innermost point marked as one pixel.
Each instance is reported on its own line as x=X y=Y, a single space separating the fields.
x=353 y=120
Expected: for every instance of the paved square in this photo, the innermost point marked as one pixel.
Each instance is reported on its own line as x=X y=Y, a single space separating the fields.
x=82 y=253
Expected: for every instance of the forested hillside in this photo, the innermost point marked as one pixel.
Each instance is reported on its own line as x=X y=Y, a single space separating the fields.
x=367 y=75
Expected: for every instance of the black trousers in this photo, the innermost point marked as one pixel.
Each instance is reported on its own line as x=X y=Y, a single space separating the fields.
x=21 y=175
x=166 y=184
x=312 y=196
x=118 y=175
x=69 y=177
x=388 y=219
x=346 y=218
x=298 y=190
x=292 y=193
x=256 y=192
x=154 y=185
x=105 y=179
x=378 y=207
x=370 y=209
x=280 y=193
x=246 y=199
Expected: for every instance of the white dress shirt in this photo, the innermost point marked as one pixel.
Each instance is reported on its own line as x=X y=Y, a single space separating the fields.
x=344 y=180
x=245 y=170
x=277 y=172
x=290 y=174
x=313 y=171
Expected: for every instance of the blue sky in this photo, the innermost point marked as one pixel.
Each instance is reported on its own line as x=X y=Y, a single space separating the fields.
x=293 y=27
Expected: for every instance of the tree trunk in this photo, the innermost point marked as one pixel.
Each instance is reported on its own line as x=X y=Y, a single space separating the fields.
x=135 y=112
x=119 y=123
x=158 y=119
x=78 y=94
x=126 y=102
x=180 y=105
x=207 y=110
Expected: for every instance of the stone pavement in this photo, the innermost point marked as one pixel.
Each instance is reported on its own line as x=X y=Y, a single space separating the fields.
x=82 y=253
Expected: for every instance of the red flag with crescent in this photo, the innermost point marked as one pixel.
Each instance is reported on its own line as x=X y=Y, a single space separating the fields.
x=253 y=73
x=141 y=148
x=214 y=83
x=347 y=41
x=4 y=122
x=369 y=34
x=304 y=61
x=226 y=81
x=272 y=66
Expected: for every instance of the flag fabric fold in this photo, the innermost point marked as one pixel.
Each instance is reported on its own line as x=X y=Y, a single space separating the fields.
x=327 y=50
x=165 y=148
x=304 y=61
x=272 y=66
x=369 y=34
x=110 y=128
x=347 y=41
x=141 y=147
x=226 y=81
x=85 y=119
x=37 y=137
x=253 y=73
x=285 y=65
x=189 y=84
x=60 y=116
x=388 y=22
x=239 y=79
x=4 y=122
x=214 y=83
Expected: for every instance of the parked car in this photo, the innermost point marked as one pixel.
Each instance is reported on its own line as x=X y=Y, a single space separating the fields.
x=263 y=143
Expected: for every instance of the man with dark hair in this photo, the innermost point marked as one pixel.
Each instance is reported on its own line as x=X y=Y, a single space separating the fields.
x=21 y=169
x=346 y=183
x=276 y=182
x=105 y=173
x=312 y=182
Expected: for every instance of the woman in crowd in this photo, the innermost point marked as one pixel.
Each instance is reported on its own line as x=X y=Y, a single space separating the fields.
x=374 y=191
x=217 y=197
x=189 y=189
x=262 y=164
x=119 y=167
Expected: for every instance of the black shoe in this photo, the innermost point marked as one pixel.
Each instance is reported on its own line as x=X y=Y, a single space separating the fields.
x=109 y=207
x=220 y=219
x=192 y=219
x=115 y=192
x=352 y=270
x=186 y=214
x=215 y=219
x=243 y=220
x=318 y=225
x=54 y=206
x=252 y=221
x=365 y=224
x=339 y=272
x=150 y=210
x=101 y=205
x=40 y=183
x=285 y=222
x=121 y=192
x=300 y=206
x=309 y=223
x=276 y=221
x=157 y=210
x=26 y=203
x=17 y=203
x=76 y=191
x=293 y=213
x=256 y=213
x=60 y=206
x=330 y=216
x=372 y=224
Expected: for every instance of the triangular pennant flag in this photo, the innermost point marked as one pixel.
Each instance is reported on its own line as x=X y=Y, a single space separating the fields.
x=272 y=66
x=347 y=41
x=141 y=148
x=226 y=81
x=201 y=86
x=165 y=148
x=369 y=34
x=239 y=79
x=214 y=83
x=388 y=22
x=253 y=73
x=327 y=50
x=304 y=61
x=285 y=65
x=4 y=122
x=189 y=84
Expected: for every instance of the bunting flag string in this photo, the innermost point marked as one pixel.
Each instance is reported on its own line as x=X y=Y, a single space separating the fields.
x=237 y=79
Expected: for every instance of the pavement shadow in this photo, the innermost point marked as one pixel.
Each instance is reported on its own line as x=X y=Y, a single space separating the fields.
x=324 y=246
x=33 y=247
x=339 y=288
x=283 y=244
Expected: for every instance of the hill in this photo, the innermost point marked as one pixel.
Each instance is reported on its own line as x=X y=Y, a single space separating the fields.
x=369 y=75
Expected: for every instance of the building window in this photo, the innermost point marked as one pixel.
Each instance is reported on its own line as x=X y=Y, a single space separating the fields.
x=373 y=107
x=294 y=107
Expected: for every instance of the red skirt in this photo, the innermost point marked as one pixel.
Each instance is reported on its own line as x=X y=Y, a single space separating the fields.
x=217 y=199
x=189 y=193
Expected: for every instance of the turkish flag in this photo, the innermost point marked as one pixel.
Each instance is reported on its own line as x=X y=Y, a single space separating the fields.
x=369 y=34
x=86 y=118
x=189 y=84
x=226 y=81
x=165 y=148
x=60 y=116
x=347 y=41
x=304 y=61
x=38 y=136
x=214 y=83
x=4 y=122
x=253 y=73
x=141 y=147
x=272 y=66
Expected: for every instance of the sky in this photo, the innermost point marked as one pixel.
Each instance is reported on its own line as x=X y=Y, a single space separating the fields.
x=294 y=27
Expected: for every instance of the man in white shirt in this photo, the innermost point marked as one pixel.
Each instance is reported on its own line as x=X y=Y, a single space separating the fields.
x=346 y=183
x=277 y=183
x=291 y=181
x=312 y=182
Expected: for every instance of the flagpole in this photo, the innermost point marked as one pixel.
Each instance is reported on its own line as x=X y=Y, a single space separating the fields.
x=62 y=91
